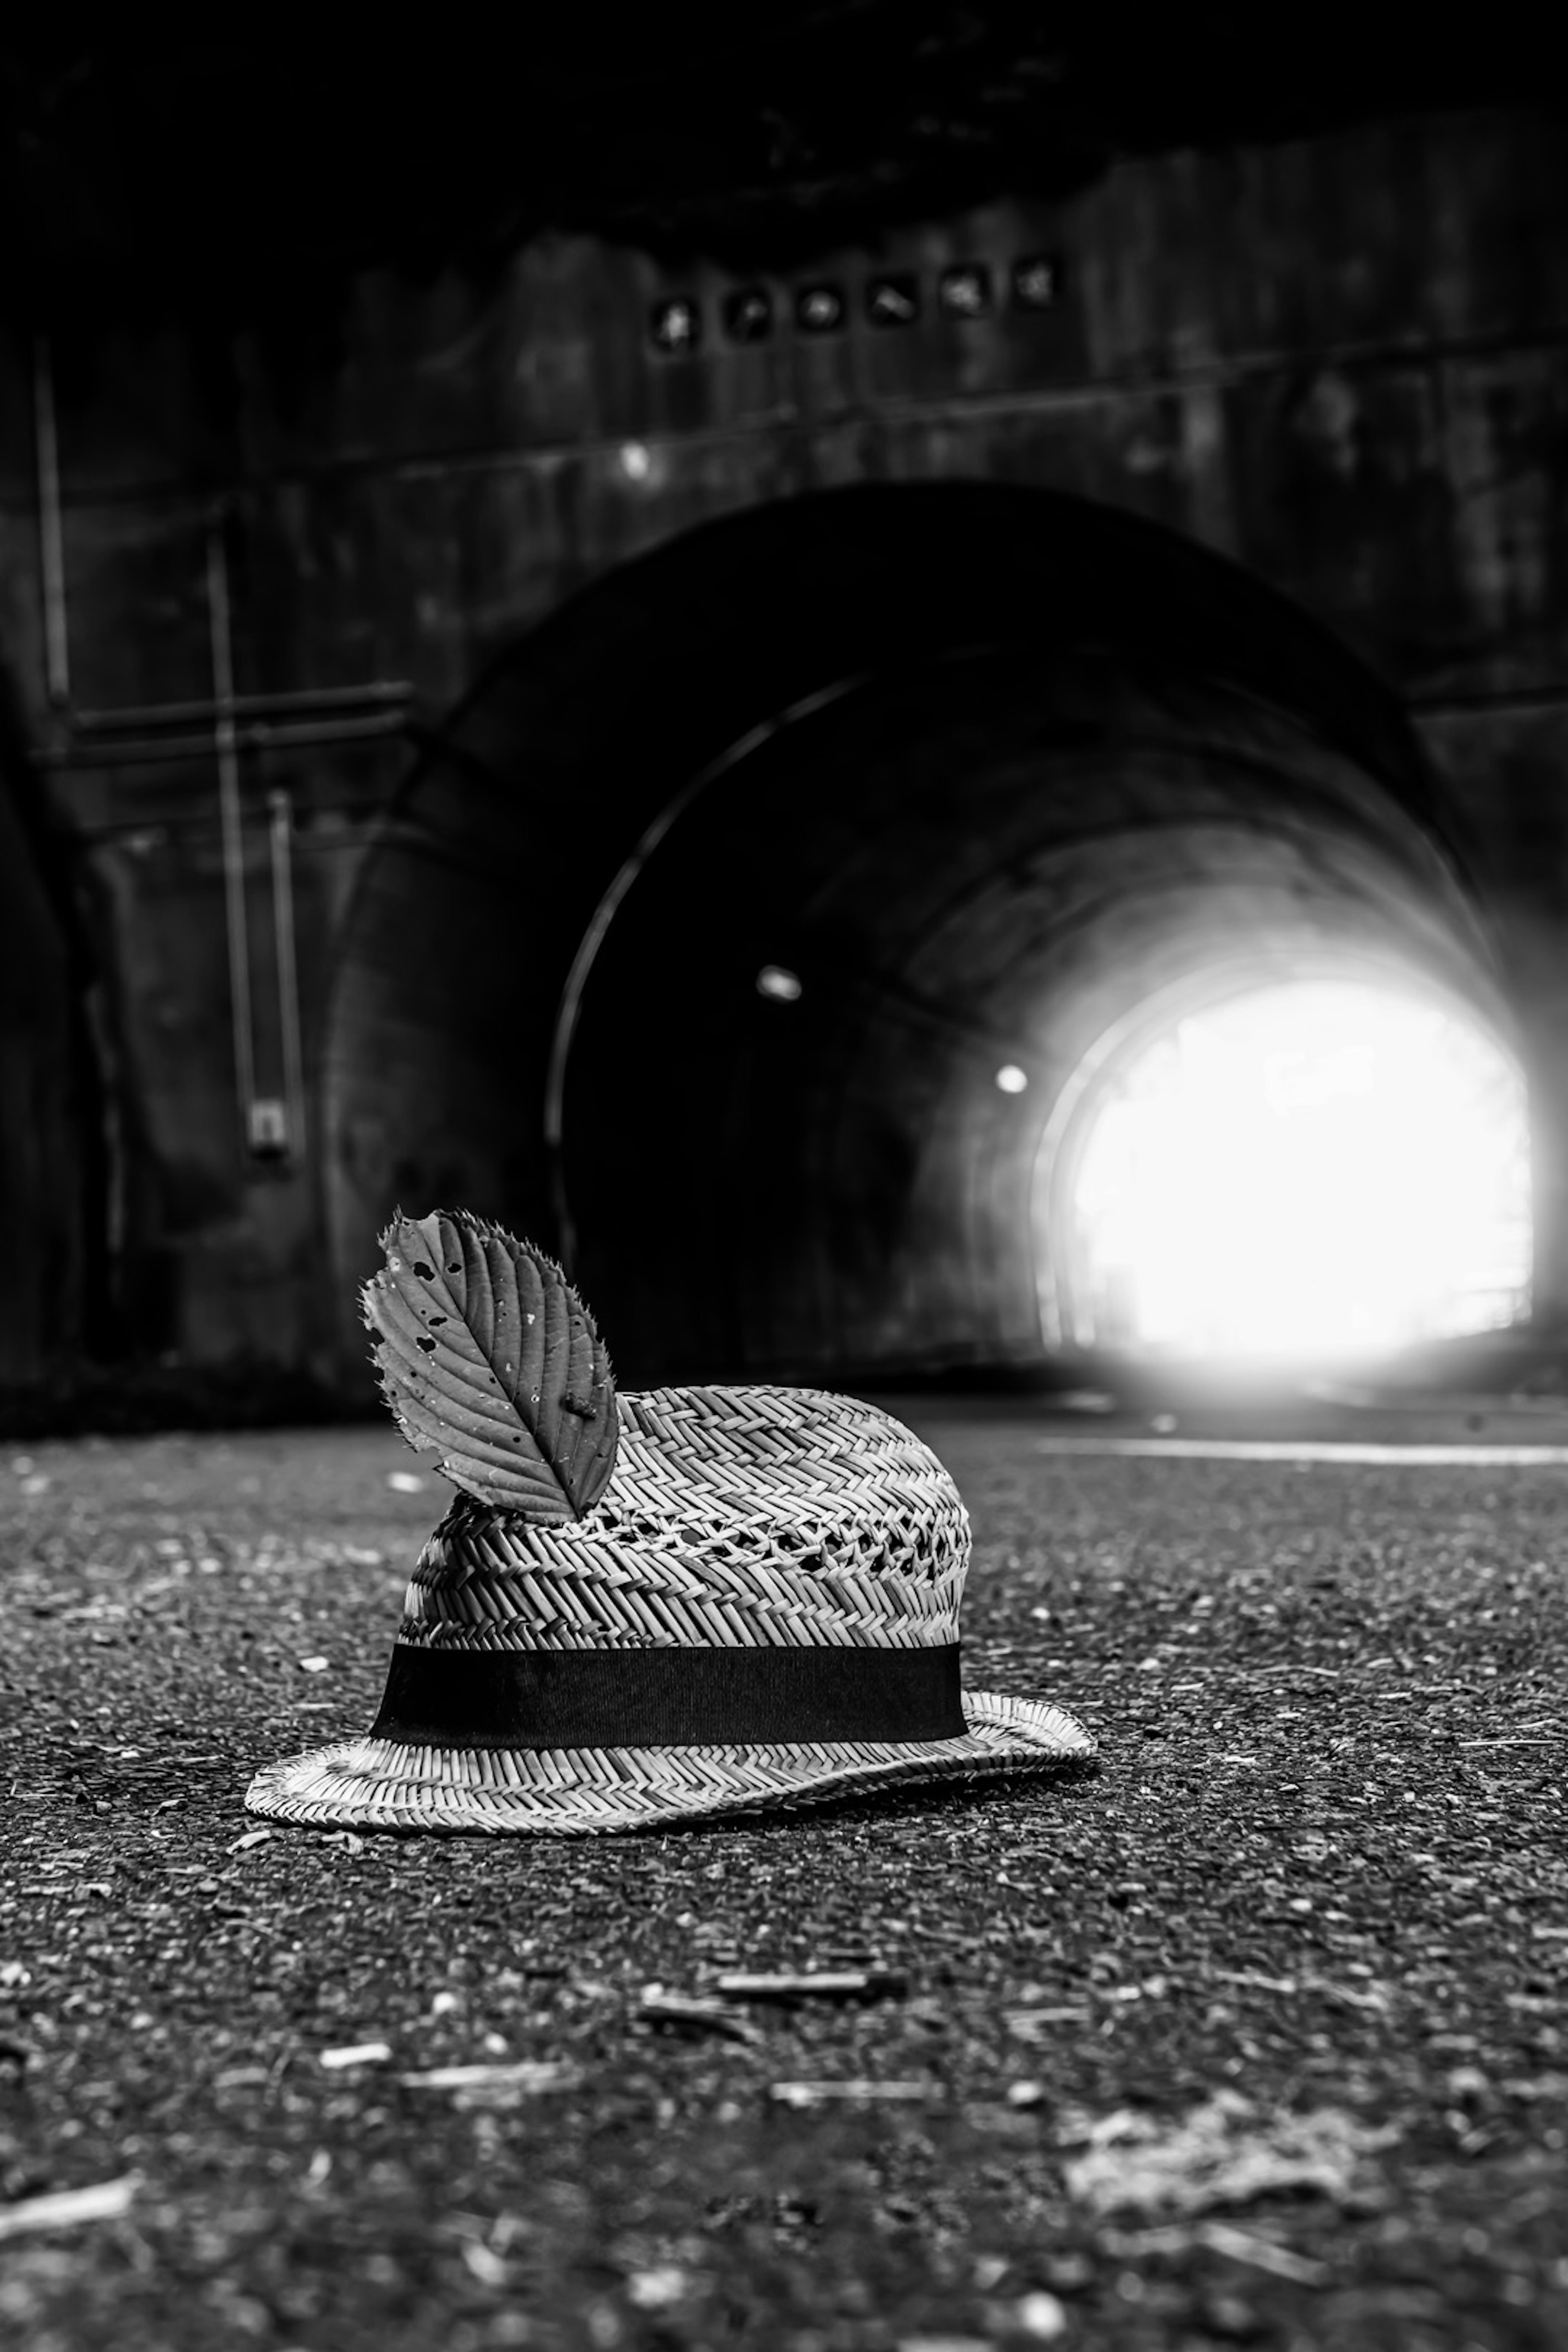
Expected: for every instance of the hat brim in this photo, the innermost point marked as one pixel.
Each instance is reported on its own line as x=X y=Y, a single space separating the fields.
x=377 y=1784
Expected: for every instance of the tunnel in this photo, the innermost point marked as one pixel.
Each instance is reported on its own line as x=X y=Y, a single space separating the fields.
x=754 y=933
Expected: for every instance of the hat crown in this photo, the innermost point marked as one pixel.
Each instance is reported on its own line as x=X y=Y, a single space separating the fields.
x=738 y=1517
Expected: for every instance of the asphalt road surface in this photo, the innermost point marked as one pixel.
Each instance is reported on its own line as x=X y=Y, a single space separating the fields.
x=1253 y=2036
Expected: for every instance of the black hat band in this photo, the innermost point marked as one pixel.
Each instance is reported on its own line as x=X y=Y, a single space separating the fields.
x=670 y=1697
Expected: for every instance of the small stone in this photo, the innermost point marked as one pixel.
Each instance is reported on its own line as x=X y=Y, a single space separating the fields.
x=657 y=2289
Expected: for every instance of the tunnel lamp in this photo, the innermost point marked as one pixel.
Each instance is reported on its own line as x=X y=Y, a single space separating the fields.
x=1036 y=282
x=964 y=292
x=675 y=326
x=818 y=310
x=1011 y=1079
x=774 y=981
x=748 y=315
x=893 y=301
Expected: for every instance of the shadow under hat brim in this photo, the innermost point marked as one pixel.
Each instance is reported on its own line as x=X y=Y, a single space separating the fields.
x=378 y=1784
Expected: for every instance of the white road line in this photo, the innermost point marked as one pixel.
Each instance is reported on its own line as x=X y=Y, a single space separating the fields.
x=1246 y=1449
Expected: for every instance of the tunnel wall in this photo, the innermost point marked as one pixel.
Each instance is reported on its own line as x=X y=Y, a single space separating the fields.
x=1338 y=361
x=51 y=1144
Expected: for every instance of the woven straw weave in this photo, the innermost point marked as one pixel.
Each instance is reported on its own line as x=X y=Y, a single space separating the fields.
x=736 y=1517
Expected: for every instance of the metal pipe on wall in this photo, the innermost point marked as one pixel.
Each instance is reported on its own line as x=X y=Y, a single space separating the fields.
x=379 y=694
x=254 y=735
x=280 y=833
x=230 y=816
x=51 y=529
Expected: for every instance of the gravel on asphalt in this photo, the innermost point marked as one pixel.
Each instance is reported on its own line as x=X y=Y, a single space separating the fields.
x=1255 y=2035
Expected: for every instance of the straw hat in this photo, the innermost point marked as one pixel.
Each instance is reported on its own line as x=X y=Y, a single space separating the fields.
x=642 y=1608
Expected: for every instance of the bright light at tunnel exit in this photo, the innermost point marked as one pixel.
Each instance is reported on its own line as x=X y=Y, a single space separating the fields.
x=1312 y=1172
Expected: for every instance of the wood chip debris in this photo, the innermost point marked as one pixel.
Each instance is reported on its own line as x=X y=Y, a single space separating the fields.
x=857 y=2091
x=1244 y=2246
x=1373 y=1997
x=1223 y=2238
x=1515 y=1741
x=816 y=1984
x=682 y=2013
x=1034 y=2024
x=357 y=2053
x=66 y=2208
x=526 y=2075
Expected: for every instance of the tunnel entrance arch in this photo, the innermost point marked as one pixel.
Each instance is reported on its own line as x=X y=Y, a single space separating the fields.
x=944 y=753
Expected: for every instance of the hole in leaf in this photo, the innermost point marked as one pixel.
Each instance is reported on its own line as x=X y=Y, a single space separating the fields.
x=455 y=1266
x=426 y=1273
x=428 y=1345
x=433 y=1319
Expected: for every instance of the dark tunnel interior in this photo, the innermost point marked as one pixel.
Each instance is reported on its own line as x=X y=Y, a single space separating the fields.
x=984 y=772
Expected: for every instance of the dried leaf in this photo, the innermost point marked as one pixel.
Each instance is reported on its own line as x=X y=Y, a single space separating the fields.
x=487 y=1351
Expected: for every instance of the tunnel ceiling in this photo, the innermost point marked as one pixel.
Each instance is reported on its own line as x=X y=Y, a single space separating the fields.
x=981 y=765
x=253 y=164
